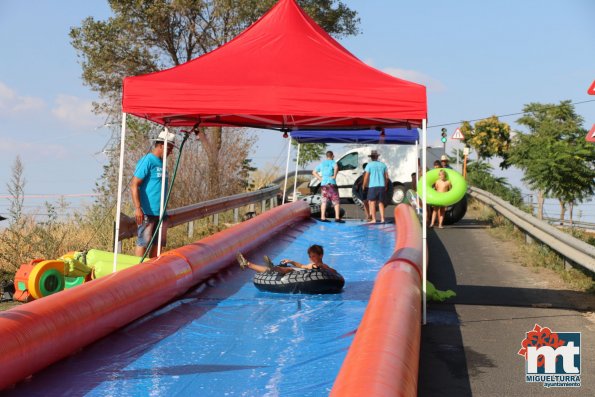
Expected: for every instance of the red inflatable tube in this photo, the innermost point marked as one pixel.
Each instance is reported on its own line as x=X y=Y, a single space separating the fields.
x=408 y=243
x=39 y=333
x=383 y=359
x=211 y=254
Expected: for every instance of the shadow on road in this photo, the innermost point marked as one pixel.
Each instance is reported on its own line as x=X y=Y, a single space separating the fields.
x=443 y=364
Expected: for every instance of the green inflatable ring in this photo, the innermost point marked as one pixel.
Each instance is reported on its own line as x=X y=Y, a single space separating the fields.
x=443 y=199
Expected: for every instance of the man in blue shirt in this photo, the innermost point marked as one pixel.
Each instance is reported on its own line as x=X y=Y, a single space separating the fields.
x=376 y=180
x=146 y=194
x=326 y=173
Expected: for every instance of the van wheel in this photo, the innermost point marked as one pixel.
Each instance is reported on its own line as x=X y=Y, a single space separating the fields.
x=398 y=195
x=357 y=193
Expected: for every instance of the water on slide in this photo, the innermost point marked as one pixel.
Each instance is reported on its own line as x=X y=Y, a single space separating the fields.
x=226 y=338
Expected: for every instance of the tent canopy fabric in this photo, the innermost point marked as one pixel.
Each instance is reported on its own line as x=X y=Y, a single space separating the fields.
x=283 y=72
x=389 y=136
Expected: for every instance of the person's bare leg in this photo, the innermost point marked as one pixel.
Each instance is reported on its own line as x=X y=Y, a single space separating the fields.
x=139 y=251
x=433 y=217
x=257 y=268
x=337 y=211
x=366 y=204
x=372 y=211
x=323 y=210
x=441 y=212
x=381 y=207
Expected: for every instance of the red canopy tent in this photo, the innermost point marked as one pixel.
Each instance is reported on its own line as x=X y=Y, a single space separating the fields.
x=283 y=72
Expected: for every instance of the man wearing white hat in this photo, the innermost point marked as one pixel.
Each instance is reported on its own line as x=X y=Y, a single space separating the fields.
x=444 y=161
x=146 y=193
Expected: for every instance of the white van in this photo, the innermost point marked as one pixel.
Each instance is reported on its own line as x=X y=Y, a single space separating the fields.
x=401 y=161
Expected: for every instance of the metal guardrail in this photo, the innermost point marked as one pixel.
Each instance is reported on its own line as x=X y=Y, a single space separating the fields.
x=570 y=248
x=189 y=213
x=556 y=222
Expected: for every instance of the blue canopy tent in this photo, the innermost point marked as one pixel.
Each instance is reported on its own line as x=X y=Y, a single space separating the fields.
x=389 y=136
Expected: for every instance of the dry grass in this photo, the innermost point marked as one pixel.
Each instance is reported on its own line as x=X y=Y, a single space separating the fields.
x=31 y=240
x=535 y=256
x=9 y=305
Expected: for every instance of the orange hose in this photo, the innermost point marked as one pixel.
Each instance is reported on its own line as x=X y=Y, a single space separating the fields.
x=383 y=359
x=41 y=332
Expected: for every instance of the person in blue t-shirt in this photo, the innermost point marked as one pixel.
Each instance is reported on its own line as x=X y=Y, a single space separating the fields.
x=326 y=173
x=146 y=194
x=376 y=180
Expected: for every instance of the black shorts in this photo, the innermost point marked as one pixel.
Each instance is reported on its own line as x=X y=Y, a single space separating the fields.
x=377 y=194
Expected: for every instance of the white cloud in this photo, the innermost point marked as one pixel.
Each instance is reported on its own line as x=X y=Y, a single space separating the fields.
x=75 y=111
x=11 y=103
x=37 y=150
x=431 y=83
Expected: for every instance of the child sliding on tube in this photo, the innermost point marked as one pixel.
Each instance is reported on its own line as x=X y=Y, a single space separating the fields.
x=442 y=185
x=315 y=252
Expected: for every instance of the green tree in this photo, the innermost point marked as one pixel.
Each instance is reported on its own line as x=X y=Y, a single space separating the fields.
x=145 y=36
x=480 y=174
x=310 y=152
x=489 y=137
x=244 y=175
x=556 y=160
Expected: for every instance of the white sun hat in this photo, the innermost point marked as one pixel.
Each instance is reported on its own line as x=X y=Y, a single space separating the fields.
x=166 y=135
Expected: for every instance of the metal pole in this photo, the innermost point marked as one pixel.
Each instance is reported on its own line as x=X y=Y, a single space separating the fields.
x=163 y=182
x=120 y=181
x=424 y=229
x=417 y=175
x=295 y=178
x=286 y=169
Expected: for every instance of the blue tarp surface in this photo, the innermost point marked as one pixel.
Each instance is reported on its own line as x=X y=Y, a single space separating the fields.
x=226 y=338
x=395 y=136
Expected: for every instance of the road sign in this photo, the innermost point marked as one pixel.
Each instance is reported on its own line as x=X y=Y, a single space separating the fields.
x=457 y=134
x=591 y=90
x=591 y=134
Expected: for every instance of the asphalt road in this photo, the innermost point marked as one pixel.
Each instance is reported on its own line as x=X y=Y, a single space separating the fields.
x=470 y=343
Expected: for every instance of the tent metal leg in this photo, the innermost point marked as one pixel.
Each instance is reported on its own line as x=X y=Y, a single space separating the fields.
x=119 y=199
x=286 y=169
x=424 y=248
x=297 y=162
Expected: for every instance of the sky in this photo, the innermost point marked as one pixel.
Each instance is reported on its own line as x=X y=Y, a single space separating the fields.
x=477 y=59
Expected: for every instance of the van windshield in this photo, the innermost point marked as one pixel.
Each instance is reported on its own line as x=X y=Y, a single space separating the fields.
x=348 y=162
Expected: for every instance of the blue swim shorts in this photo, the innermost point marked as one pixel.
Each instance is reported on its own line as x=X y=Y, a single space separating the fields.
x=377 y=194
x=146 y=230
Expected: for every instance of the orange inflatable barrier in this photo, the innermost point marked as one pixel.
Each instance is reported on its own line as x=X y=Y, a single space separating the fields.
x=44 y=331
x=383 y=359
